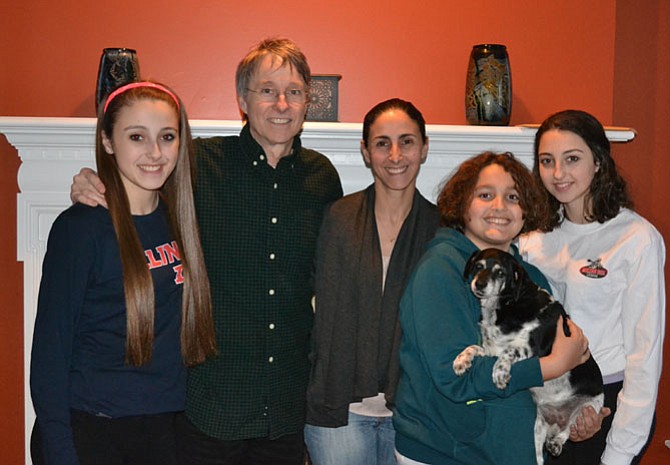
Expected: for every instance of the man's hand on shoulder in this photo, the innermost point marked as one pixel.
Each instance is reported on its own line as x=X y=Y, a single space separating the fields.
x=87 y=188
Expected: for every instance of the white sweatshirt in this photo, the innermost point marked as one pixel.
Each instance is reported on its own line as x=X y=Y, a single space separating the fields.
x=610 y=279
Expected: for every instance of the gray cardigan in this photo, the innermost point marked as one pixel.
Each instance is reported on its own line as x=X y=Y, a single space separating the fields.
x=356 y=333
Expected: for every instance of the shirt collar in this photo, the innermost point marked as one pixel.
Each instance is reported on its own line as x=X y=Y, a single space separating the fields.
x=255 y=153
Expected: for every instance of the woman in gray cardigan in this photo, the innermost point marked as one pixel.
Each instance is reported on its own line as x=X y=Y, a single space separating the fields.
x=368 y=245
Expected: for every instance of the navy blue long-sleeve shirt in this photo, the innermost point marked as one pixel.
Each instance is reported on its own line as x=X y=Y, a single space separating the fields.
x=78 y=355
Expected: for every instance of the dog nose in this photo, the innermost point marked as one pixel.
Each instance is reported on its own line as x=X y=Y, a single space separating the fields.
x=479 y=283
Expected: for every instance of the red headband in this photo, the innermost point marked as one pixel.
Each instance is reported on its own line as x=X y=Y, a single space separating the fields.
x=133 y=85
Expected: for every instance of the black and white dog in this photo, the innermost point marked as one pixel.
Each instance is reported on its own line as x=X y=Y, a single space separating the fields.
x=518 y=321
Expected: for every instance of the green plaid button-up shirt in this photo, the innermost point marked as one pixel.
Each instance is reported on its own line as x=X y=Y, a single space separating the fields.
x=258 y=226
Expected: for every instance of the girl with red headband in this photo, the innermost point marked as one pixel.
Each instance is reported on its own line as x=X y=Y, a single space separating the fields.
x=124 y=305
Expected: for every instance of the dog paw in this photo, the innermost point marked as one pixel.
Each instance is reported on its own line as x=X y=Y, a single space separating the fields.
x=501 y=373
x=463 y=362
x=554 y=447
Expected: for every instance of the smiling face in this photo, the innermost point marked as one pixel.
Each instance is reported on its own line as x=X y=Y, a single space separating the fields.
x=494 y=217
x=145 y=142
x=567 y=167
x=274 y=122
x=395 y=151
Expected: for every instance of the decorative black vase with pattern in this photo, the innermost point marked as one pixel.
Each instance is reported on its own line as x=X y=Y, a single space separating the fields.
x=118 y=66
x=488 y=87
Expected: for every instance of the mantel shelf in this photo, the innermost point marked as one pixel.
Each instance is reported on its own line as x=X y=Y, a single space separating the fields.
x=52 y=149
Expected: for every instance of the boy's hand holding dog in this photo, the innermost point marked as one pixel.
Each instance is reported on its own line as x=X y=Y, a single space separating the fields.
x=567 y=351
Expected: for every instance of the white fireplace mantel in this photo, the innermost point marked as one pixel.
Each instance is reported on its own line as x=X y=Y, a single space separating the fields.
x=52 y=150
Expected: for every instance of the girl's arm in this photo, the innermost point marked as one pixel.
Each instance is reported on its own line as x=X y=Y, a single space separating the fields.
x=643 y=322
x=64 y=277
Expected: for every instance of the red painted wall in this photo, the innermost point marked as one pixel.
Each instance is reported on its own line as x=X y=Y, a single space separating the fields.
x=592 y=55
x=641 y=100
x=11 y=314
x=382 y=48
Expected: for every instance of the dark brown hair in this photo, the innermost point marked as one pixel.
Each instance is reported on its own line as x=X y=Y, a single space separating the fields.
x=456 y=194
x=393 y=104
x=608 y=192
x=197 y=329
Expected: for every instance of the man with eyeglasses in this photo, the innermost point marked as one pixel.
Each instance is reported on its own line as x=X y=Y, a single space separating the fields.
x=260 y=198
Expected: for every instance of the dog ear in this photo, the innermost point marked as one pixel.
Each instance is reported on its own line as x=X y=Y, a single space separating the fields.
x=566 y=328
x=467 y=271
x=519 y=278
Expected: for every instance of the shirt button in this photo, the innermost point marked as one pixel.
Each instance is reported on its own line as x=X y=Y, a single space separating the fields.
x=271 y=292
x=271 y=326
x=275 y=185
x=274 y=220
x=255 y=163
x=271 y=359
x=272 y=256
x=262 y=157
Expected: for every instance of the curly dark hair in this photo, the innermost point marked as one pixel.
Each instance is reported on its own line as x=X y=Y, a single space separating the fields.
x=608 y=192
x=456 y=194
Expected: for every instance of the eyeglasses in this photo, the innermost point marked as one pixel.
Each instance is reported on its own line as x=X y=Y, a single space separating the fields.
x=269 y=94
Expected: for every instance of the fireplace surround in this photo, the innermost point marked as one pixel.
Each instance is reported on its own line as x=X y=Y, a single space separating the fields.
x=52 y=150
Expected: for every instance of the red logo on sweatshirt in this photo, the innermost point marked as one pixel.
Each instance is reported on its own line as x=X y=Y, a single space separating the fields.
x=594 y=269
x=164 y=255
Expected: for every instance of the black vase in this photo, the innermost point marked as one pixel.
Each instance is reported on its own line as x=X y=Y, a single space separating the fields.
x=118 y=66
x=488 y=87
